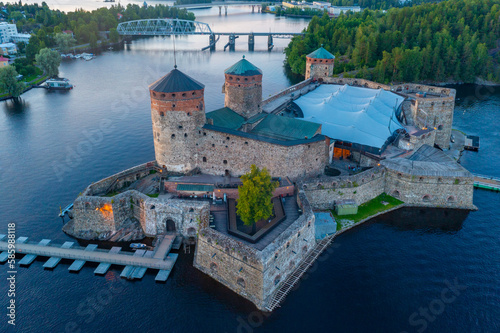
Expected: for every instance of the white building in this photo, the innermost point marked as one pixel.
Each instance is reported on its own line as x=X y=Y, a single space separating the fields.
x=16 y=38
x=321 y=5
x=8 y=33
x=336 y=10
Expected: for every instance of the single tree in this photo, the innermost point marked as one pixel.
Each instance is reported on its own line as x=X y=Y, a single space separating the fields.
x=33 y=48
x=9 y=83
x=49 y=60
x=113 y=35
x=64 y=41
x=254 y=202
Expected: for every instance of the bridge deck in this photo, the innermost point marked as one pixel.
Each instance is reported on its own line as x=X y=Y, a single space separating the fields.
x=100 y=256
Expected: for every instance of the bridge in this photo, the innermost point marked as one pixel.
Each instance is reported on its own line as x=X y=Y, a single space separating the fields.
x=135 y=264
x=225 y=4
x=176 y=27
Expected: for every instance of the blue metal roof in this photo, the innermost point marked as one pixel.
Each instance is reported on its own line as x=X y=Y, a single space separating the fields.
x=226 y=117
x=321 y=53
x=285 y=128
x=243 y=68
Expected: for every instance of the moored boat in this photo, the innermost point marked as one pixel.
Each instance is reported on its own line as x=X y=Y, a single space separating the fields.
x=58 y=84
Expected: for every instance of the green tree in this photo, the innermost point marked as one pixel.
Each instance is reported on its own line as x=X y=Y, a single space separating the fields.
x=33 y=48
x=64 y=41
x=9 y=83
x=254 y=202
x=113 y=35
x=49 y=60
x=93 y=40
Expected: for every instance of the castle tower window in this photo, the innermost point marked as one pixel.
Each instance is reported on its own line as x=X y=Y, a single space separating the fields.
x=213 y=266
x=193 y=93
x=173 y=95
x=180 y=126
x=227 y=138
x=204 y=159
x=173 y=105
x=162 y=114
x=241 y=282
x=440 y=127
x=183 y=94
x=426 y=198
x=304 y=248
x=225 y=161
x=162 y=95
x=154 y=94
x=421 y=179
x=451 y=198
x=396 y=194
x=204 y=133
x=185 y=135
x=189 y=113
x=173 y=136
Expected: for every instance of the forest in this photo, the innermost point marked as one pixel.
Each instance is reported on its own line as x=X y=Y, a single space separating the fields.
x=44 y=22
x=379 y=4
x=449 y=41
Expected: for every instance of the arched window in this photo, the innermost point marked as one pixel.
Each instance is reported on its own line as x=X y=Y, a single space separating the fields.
x=451 y=198
x=396 y=194
x=173 y=136
x=191 y=210
x=204 y=159
x=241 y=282
x=213 y=266
x=426 y=198
x=225 y=161
x=191 y=232
x=173 y=95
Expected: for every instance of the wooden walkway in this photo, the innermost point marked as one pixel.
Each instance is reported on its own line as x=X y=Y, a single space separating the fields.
x=135 y=264
x=287 y=285
x=486 y=182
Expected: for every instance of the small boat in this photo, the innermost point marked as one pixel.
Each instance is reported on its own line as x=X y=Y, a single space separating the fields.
x=138 y=246
x=58 y=84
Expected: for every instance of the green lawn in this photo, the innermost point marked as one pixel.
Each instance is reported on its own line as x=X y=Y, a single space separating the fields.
x=368 y=209
x=153 y=195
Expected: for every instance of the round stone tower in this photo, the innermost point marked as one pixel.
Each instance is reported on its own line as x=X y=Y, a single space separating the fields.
x=319 y=64
x=177 y=112
x=243 y=88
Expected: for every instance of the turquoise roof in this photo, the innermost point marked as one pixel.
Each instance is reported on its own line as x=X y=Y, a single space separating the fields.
x=321 y=53
x=226 y=117
x=285 y=128
x=244 y=68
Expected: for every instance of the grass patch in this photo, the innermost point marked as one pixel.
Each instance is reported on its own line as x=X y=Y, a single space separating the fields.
x=368 y=209
x=111 y=194
x=153 y=195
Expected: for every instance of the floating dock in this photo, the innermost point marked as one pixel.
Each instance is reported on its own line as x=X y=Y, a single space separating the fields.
x=486 y=182
x=136 y=264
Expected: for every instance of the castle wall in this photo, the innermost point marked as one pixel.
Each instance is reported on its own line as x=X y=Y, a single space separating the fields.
x=223 y=151
x=243 y=94
x=254 y=274
x=430 y=191
x=104 y=214
x=323 y=192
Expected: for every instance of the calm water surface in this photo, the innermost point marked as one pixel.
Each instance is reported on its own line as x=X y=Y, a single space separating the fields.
x=372 y=280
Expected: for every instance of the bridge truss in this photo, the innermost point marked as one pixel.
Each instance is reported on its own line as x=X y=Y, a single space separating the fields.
x=163 y=27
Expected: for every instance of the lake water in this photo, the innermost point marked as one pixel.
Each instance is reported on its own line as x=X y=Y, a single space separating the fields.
x=373 y=279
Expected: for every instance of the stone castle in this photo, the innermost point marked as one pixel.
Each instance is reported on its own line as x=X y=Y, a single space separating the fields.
x=394 y=135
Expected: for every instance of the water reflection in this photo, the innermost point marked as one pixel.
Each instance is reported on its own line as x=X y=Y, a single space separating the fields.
x=428 y=220
x=16 y=106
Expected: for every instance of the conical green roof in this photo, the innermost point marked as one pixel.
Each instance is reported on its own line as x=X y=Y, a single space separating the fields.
x=321 y=53
x=243 y=68
x=176 y=81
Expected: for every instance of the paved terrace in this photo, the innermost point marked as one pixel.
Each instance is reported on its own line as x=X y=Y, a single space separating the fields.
x=291 y=211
